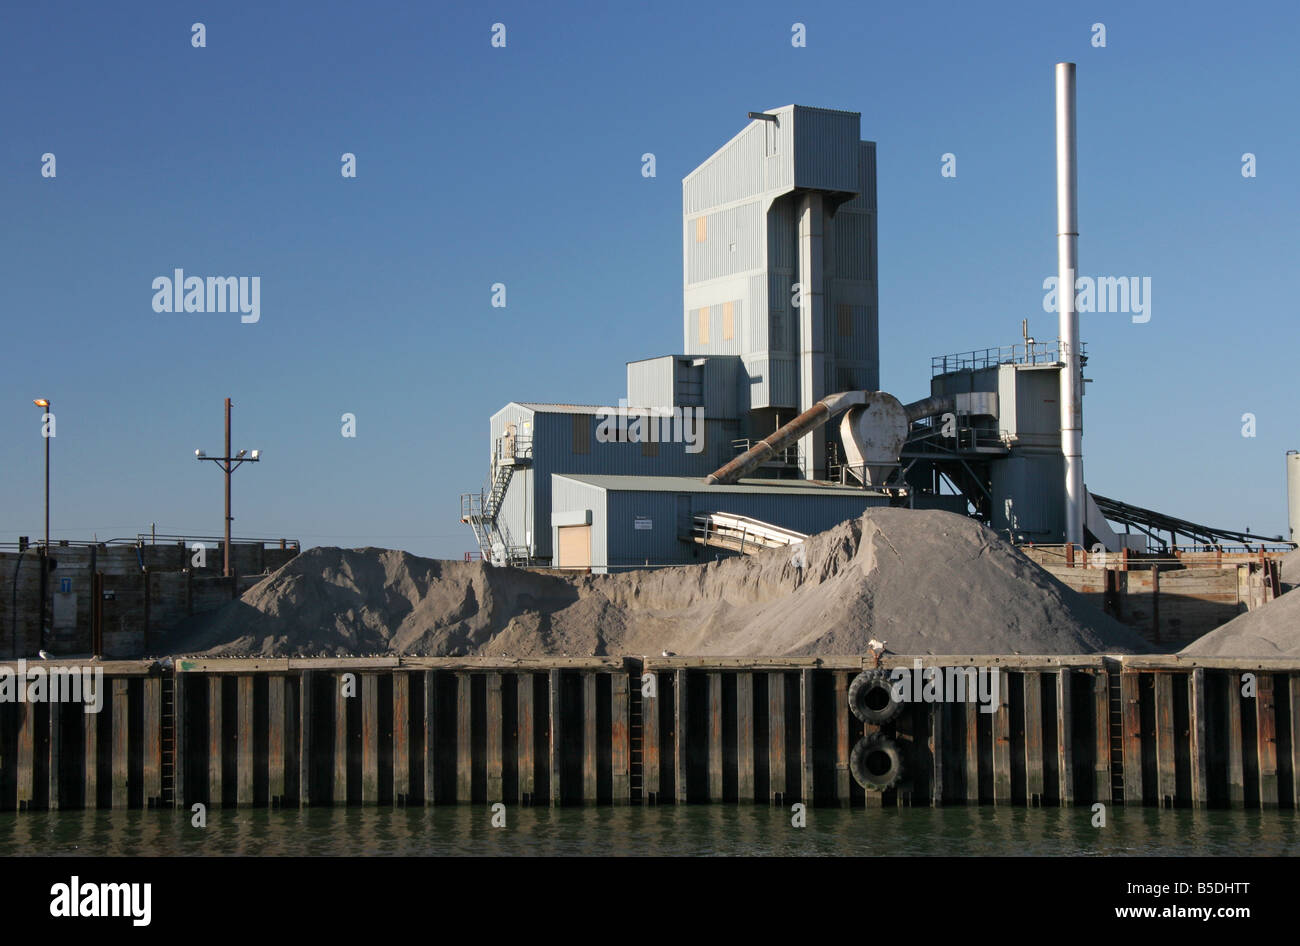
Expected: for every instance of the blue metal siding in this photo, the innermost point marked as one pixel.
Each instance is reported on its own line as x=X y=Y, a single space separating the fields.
x=826 y=149
x=628 y=547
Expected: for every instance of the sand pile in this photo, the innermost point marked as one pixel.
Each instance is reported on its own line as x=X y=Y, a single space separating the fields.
x=923 y=581
x=1270 y=631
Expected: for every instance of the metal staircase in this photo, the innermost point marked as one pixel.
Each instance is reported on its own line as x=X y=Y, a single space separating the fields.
x=481 y=511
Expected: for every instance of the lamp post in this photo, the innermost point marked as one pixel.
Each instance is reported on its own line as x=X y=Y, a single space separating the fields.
x=44 y=404
x=228 y=466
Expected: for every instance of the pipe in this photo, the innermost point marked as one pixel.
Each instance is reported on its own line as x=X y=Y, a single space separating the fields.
x=810 y=420
x=1067 y=258
x=928 y=407
x=805 y=423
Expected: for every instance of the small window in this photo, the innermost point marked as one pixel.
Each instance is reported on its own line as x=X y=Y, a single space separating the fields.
x=704 y=325
x=581 y=433
x=728 y=321
x=845 y=320
x=650 y=448
x=701 y=229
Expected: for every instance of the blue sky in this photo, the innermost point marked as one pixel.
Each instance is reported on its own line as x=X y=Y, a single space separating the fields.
x=522 y=165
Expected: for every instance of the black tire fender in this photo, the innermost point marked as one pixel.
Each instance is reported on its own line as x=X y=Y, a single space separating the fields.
x=876 y=763
x=871 y=697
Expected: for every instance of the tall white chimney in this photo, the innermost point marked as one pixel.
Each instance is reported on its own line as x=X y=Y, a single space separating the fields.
x=1067 y=257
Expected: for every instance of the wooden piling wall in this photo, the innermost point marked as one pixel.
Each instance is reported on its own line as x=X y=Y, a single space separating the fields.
x=1160 y=731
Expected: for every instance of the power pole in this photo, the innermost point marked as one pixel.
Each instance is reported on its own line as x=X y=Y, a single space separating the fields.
x=228 y=466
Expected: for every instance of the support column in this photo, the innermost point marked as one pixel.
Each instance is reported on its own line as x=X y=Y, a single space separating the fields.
x=812 y=332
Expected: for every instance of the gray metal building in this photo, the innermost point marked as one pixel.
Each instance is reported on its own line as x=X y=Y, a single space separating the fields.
x=613 y=523
x=779 y=309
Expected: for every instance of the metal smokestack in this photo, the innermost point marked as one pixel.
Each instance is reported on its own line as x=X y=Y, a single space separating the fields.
x=1067 y=257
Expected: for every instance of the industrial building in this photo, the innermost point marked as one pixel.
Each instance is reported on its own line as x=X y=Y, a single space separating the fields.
x=780 y=334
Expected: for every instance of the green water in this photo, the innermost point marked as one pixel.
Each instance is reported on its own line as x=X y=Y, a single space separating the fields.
x=668 y=830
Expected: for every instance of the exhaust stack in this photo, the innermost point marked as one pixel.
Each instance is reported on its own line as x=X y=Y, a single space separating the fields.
x=1067 y=257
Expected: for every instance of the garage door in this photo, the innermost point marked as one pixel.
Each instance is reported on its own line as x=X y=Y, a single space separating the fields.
x=575 y=547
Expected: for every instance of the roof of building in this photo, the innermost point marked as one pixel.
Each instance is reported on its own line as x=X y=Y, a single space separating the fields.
x=693 y=484
x=603 y=409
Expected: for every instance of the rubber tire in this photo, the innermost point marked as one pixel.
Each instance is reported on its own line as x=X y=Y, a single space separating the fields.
x=867 y=745
x=862 y=685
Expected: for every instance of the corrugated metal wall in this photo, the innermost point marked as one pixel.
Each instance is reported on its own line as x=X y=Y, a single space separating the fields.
x=660 y=545
x=826 y=149
x=1028 y=497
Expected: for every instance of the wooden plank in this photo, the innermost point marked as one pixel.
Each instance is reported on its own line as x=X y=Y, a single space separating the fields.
x=1266 y=740
x=244 y=736
x=1002 y=745
x=1101 y=774
x=306 y=736
x=54 y=756
x=1166 y=772
x=1199 y=746
x=1236 y=776
x=936 y=752
x=1295 y=739
x=495 y=739
x=807 y=736
x=340 y=796
x=972 y=753
x=524 y=697
x=121 y=742
x=679 y=735
x=431 y=737
x=90 y=751
x=556 y=746
x=402 y=789
x=151 y=736
x=276 y=724
x=620 y=750
x=651 y=739
x=843 y=789
x=1033 y=690
x=590 y=748
x=26 y=750
x=715 y=736
x=1065 y=737
x=464 y=739
x=776 y=737
x=214 y=742
x=370 y=737
x=1131 y=728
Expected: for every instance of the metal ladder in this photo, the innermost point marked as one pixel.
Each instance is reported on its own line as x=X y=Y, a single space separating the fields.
x=635 y=736
x=1116 y=738
x=168 y=740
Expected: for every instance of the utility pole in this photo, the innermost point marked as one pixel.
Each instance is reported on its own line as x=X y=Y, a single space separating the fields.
x=228 y=466
x=46 y=430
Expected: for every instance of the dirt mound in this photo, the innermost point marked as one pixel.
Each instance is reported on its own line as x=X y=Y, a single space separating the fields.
x=1270 y=631
x=922 y=581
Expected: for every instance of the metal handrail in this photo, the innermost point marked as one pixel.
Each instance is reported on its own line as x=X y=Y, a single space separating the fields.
x=1038 y=353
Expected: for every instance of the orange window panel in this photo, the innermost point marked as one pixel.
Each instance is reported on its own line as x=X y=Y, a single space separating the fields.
x=728 y=321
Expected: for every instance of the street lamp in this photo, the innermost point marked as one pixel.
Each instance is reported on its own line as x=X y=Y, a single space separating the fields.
x=44 y=404
x=228 y=465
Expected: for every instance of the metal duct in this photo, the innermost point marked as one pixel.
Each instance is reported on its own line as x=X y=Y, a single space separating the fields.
x=814 y=418
x=1067 y=258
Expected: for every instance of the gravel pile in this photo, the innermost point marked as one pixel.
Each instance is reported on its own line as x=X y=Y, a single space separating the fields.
x=925 y=582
